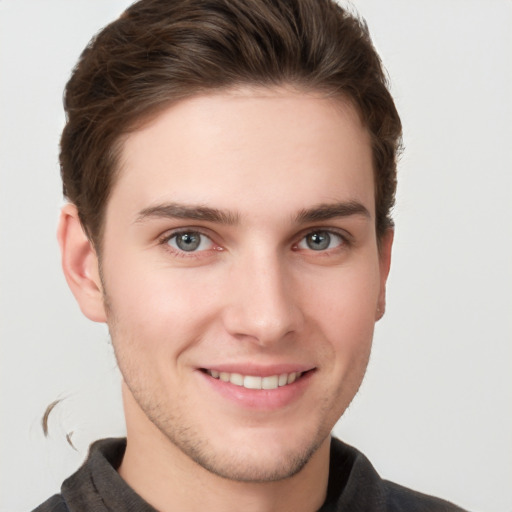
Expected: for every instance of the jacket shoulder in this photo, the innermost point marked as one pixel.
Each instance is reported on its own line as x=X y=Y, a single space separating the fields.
x=402 y=499
x=54 y=504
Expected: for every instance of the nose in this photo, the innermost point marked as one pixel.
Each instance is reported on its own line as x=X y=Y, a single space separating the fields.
x=262 y=305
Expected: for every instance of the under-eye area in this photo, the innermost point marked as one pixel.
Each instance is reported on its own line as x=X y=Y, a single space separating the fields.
x=257 y=382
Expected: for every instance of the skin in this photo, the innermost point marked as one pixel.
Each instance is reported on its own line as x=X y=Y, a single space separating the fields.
x=272 y=166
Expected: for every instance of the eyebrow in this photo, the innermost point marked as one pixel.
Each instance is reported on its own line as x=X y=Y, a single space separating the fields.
x=317 y=213
x=330 y=211
x=190 y=212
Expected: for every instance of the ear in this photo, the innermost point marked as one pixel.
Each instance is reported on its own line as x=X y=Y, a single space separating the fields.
x=386 y=244
x=80 y=264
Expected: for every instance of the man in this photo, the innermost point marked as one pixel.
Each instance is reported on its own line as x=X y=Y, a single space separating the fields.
x=230 y=168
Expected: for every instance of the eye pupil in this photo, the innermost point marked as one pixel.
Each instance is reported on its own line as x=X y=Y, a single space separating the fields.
x=318 y=241
x=188 y=241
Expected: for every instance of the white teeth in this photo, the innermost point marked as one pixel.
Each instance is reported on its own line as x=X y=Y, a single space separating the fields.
x=237 y=379
x=254 y=381
x=270 y=382
x=251 y=382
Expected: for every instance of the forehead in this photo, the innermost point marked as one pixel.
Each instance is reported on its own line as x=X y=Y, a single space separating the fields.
x=247 y=150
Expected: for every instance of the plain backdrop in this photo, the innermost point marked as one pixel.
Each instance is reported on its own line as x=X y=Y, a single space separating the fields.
x=435 y=411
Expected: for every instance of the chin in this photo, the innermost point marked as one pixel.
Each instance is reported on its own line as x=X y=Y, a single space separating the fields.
x=256 y=458
x=250 y=465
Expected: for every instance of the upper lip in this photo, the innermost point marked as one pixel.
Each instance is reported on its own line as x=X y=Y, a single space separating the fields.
x=259 y=370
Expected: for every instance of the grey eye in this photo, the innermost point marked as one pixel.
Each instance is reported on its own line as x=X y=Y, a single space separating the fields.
x=320 y=241
x=190 y=241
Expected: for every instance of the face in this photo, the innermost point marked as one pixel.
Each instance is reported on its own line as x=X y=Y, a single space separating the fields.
x=242 y=277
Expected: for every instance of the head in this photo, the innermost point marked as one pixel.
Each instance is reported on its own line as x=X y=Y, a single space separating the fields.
x=160 y=52
x=231 y=169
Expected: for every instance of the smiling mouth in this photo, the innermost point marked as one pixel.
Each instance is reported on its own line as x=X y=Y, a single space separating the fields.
x=256 y=382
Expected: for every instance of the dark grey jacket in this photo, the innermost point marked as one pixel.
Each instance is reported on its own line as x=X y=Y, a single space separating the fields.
x=354 y=486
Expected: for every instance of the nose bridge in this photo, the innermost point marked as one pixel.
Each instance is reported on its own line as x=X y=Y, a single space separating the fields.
x=262 y=306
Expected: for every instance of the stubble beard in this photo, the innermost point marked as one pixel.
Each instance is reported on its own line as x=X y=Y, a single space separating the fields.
x=232 y=464
x=196 y=446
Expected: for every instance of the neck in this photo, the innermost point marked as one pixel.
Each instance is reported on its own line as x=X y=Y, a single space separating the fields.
x=169 y=480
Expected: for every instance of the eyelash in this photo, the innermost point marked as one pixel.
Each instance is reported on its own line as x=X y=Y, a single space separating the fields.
x=343 y=237
x=165 y=239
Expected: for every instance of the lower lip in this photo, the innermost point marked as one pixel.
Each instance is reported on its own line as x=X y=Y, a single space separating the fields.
x=262 y=399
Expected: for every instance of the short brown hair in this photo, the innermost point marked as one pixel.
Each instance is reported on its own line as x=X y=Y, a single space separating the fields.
x=160 y=51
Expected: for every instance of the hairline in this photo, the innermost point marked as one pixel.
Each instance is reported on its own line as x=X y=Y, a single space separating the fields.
x=151 y=113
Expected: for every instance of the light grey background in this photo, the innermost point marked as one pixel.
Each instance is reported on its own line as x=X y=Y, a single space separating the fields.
x=435 y=411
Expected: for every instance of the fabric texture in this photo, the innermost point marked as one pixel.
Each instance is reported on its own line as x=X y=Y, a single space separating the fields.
x=354 y=486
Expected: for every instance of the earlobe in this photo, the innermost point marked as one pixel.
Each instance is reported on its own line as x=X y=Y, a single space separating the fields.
x=386 y=245
x=80 y=264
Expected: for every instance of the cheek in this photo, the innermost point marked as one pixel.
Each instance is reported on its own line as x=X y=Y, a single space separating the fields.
x=161 y=307
x=343 y=308
x=346 y=296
